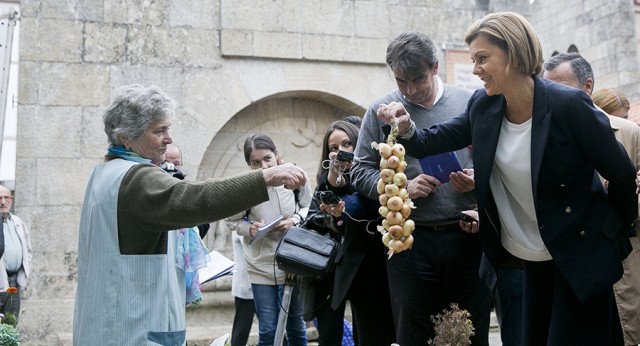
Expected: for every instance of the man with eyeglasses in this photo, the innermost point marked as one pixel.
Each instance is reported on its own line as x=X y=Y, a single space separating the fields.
x=15 y=255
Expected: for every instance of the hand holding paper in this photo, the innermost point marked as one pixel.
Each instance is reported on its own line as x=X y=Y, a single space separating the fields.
x=265 y=229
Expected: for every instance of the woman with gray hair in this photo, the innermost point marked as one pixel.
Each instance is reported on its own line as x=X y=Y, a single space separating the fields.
x=130 y=291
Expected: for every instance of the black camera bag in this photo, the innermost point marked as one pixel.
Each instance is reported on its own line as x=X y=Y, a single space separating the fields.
x=306 y=253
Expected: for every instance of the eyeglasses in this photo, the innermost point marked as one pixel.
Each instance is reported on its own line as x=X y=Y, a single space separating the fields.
x=8 y=198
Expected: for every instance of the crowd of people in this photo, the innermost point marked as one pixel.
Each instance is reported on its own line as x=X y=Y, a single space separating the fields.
x=548 y=175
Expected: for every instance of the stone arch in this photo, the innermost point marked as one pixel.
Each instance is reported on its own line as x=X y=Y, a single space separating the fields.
x=296 y=121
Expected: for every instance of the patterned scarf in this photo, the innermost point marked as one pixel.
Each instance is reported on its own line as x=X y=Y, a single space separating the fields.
x=126 y=154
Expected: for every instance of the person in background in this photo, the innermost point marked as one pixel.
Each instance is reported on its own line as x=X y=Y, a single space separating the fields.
x=130 y=290
x=267 y=280
x=192 y=254
x=613 y=101
x=442 y=266
x=573 y=70
x=245 y=308
x=15 y=255
x=538 y=147
x=360 y=275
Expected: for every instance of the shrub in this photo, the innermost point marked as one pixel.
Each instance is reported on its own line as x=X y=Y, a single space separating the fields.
x=453 y=327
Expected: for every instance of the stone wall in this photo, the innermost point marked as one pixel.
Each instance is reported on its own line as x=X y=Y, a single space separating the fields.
x=234 y=66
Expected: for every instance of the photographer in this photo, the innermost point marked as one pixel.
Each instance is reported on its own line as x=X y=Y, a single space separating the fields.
x=360 y=274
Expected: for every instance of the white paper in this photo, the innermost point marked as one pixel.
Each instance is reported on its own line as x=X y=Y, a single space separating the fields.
x=218 y=266
x=265 y=229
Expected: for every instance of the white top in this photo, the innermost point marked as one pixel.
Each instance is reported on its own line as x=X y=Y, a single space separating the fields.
x=511 y=187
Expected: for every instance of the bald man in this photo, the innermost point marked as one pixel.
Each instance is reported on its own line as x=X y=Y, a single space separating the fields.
x=15 y=249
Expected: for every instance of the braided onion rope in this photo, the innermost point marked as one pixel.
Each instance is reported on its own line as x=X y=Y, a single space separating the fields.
x=395 y=204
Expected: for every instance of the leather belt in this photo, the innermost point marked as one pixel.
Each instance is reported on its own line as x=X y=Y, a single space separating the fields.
x=447 y=227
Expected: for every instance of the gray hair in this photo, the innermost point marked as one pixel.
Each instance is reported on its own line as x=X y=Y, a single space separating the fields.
x=580 y=67
x=133 y=109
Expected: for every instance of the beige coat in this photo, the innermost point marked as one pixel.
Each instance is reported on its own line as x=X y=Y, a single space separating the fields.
x=627 y=290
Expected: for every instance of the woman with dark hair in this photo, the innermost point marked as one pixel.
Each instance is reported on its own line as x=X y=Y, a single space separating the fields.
x=360 y=274
x=267 y=280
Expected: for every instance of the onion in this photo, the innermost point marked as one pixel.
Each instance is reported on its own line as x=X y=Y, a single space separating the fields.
x=383 y=211
x=383 y=163
x=386 y=238
x=399 y=179
x=381 y=186
x=396 y=245
x=393 y=161
x=394 y=218
x=387 y=175
x=402 y=166
x=395 y=231
x=384 y=149
x=408 y=242
x=405 y=210
x=398 y=150
x=395 y=203
x=391 y=190
x=407 y=227
x=383 y=198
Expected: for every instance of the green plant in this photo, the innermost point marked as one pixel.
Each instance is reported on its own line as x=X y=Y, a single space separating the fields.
x=453 y=327
x=9 y=335
x=10 y=319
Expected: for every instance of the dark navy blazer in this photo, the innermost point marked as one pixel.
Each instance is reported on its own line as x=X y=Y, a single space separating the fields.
x=583 y=226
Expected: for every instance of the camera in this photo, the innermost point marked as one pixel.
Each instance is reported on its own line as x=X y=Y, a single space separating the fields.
x=172 y=170
x=328 y=197
x=344 y=156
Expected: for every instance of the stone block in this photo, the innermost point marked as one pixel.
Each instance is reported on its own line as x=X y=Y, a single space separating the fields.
x=328 y=17
x=154 y=45
x=244 y=15
x=203 y=95
x=236 y=42
x=104 y=43
x=73 y=84
x=43 y=319
x=367 y=21
x=62 y=181
x=344 y=49
x=60 y=40
x=168 y=79
x=53 y=228
x=26 y=187
x=202 y=48
x=44 y=140
x=29 y=39
x=86 y=10
x=139 y=12
x=201 y=14
x=277 y=45
x=93 y=142
x=29 y=75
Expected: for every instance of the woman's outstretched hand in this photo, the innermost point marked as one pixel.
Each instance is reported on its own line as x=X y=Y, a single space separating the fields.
x=288 y=174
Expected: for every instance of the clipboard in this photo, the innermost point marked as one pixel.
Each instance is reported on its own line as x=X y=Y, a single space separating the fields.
x=265 y=229
x=441 y=165
x=218 y=266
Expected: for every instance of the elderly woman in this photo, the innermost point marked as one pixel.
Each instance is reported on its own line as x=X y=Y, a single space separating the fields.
x=130 y=291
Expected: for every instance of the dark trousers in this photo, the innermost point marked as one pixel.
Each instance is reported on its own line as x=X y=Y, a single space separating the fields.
x=508 y=304
x=242 y=321
x=440 y=269
x=370 y=301
x=11 y=302
x=553 y=315
x=330 y=321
